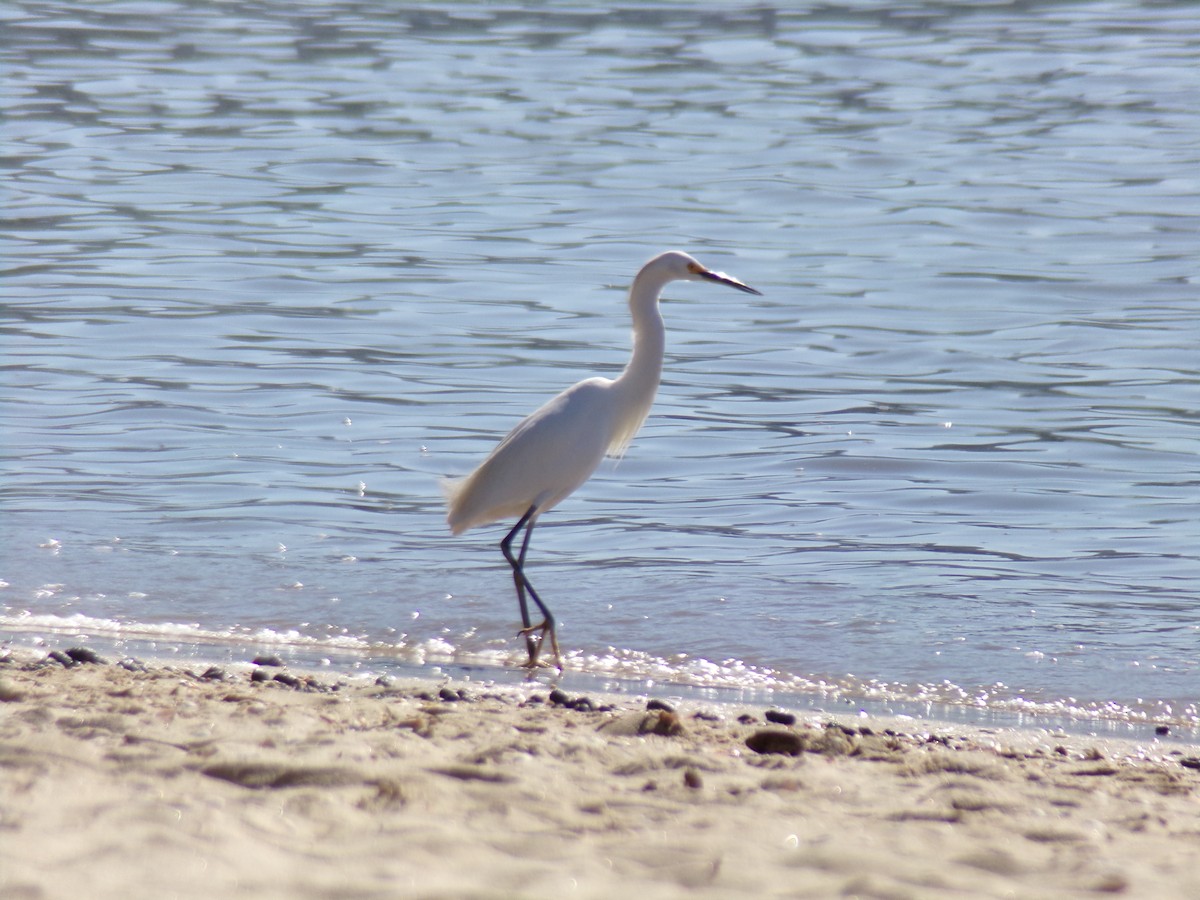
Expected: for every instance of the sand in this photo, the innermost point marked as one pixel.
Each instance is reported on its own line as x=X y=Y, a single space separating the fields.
x=164 y=783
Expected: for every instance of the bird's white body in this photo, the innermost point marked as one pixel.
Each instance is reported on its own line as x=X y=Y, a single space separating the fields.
x=557 y=447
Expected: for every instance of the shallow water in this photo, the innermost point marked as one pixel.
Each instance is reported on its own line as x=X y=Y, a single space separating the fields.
x=274 y=268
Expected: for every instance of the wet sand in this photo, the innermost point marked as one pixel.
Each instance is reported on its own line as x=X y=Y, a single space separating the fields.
x=163 y=781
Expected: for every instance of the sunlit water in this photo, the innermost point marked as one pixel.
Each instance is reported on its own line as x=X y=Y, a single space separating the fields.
x=274 y=268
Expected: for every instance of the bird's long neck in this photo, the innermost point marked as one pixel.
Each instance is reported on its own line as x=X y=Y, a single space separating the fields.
x=642 y=374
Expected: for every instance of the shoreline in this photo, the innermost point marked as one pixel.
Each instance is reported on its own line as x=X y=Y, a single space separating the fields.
x=198 y=781
x=1109 y=719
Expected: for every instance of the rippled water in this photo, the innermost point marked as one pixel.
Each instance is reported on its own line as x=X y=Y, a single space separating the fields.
x=274 y=267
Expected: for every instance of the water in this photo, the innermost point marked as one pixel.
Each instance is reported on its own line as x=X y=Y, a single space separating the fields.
x=273 y=268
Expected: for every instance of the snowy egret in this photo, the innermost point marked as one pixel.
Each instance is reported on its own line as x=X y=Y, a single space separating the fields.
x=555 y=449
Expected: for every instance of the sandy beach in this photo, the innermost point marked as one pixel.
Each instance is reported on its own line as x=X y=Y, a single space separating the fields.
x=147 y=780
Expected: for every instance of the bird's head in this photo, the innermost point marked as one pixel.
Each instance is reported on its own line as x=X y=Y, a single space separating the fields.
x=675 y=265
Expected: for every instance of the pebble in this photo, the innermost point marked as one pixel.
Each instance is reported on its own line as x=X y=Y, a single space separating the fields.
x=10 y=693
x=779 y=717
x=61 y=658
x=692 y=779
x=86 y=655
x=213 y=673
x=1162 y=730
x=260 y=675
x=659 y=704
x=773 y=740
x=273 y=661
x=290 y=680
x=450 y=695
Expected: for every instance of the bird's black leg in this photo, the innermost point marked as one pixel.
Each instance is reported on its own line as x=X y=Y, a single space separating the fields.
x=547 y=626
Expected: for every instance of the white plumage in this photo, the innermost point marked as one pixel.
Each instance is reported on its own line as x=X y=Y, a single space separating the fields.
x=555 y=449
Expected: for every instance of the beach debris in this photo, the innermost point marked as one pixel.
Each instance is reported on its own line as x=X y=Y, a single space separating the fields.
x=776 y=740
x=779 y=717
x=10 y=693
x=75 y=656
x=634 y=724
x=261 y=776
x=86 y=655
x=474 y=773
x=580 y=704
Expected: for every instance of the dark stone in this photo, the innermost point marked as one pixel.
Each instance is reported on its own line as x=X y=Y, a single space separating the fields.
x=779 y=717
x=86 y=655
x=773 y=740
x=659 y=704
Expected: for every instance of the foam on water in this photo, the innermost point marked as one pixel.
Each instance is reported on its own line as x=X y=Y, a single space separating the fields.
x=631 y=672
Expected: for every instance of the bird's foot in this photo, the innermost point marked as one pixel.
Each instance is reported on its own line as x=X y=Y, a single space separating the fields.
x=535 y=636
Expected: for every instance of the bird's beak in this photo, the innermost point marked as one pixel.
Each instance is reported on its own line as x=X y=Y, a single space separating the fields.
x=722 y=278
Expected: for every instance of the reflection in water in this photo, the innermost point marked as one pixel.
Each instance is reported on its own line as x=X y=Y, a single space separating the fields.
x=276 y=267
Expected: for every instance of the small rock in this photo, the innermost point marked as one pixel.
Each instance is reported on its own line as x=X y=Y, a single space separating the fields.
x=1190 y=762
x=131 y=664
x=692 y=779
x=747 y=719
x=290 y=680
x=1162 y=730
x=582 y=704
x=10 y=693
x=666 y=724
x=449 y=695
x=659 y=704
x=559 y=698
x=61 y=658
x=273 y=661
x=260 y=675
x=779 y=717
x=385 y=680
x=86 y=655
x=213 y=673
x=774 y=740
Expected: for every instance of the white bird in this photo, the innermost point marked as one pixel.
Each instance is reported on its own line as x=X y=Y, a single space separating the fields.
x=557 y=448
